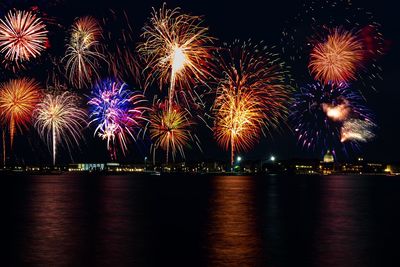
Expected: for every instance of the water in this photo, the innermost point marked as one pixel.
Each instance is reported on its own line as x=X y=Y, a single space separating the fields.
x=89 y=220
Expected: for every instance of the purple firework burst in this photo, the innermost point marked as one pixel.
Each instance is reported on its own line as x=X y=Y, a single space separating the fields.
x=321 y=111
x=117 y=112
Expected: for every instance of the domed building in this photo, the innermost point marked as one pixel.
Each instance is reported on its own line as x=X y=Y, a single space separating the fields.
x=327 y=166
x=328 y=158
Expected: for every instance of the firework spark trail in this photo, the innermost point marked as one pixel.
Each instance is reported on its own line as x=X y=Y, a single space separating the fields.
x=170 y=128
x=119 y=48
x=117 y=112
x=22 y=36
x=337 y=58
x=320 y=111
x=18 y=100
x=176 y=49
x=59 y=119
x=252 y=95
x=82 y=54
x=355 y=130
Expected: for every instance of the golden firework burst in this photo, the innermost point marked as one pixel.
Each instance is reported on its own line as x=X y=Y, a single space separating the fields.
x=338 y=58
x=170 y=128
x=176 y=49
x=252 y=95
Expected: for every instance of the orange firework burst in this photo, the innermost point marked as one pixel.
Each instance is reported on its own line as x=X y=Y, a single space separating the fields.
x=170 y=128
x=337 y=59
x=82 y=53
x=22 y=36
x=176 y=49
x=18 y=100
x=252 y=96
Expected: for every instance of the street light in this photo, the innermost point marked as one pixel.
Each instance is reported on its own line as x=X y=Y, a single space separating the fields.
x=237 y=165
x=272 y=158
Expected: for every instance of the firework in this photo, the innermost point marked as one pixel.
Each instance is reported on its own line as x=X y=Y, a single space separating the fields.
x=117 y=112
x=170 y=128
x=176 y=49
x=320 y=111
x=118 y=47
x=82 y=55
x=320 y=29
x=337 y=58
x=58 y=118
x=238 y=120
x=355 y=130
x=22 y=36
x=18 y=100
x=252 y=95
x=338 y=112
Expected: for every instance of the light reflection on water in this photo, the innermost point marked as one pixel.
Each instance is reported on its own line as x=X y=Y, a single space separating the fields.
x=341 y=237
x=234 y=239
x=269 y=221
x=51 y=228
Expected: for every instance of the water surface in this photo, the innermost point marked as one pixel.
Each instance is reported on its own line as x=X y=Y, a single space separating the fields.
x=136 y=220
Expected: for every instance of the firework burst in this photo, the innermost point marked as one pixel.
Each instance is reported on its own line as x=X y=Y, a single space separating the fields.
x=239 y=118
x=337 y=58
x=117 y=112
x=343 y=40
x=252 y=95
x=59 y=119
x=18 y=100
x=82 y=55
x=355 y=130
x=320 y=112
x=170 y=128
x=23 y=36
x=176 y=49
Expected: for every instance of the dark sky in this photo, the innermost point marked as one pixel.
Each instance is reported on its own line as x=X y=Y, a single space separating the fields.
x=264 y=20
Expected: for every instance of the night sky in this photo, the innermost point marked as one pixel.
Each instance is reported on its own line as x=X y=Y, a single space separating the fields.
x=258 y=20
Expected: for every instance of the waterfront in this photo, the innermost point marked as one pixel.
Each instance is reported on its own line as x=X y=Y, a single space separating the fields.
x=200 y=220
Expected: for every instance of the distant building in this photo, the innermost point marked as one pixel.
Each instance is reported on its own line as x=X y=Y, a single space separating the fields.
x=92 y=167
x=328 y=158
x=300 y=166
x=374 y=168
x=356 y=167
x=327 y=165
